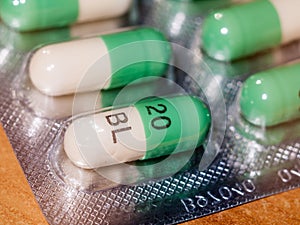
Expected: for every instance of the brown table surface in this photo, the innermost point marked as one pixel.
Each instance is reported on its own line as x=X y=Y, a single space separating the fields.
x=18 y=205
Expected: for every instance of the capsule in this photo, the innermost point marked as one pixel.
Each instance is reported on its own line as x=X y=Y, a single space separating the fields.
x=272 y=97
x=36 y=14
x=104 y=62
x=245 y=29
x=148 y=129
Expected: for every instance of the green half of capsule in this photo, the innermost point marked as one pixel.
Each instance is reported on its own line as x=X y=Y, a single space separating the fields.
x=38 y=14
x=272 y=97
x=173 y=125
x=241 y=30
x=136 y=54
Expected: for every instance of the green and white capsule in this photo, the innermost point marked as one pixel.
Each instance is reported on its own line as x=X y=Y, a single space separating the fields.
x=245 y=29
x=148 y=129
x=36 y=14
x=104 y=62
x=272 y=97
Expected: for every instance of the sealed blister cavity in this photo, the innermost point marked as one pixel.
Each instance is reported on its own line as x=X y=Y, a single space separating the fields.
x=280 y=134
x=150 y=128
x=36 y=15
x=245 y=29
x=135 y=172
x=57 y=70
x=272 y=97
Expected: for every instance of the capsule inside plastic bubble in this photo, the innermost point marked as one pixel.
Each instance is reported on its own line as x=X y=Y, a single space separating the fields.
x=57 y=69
x=272 y=97
x=34 y=15
x=149 y=128
x=269 y=23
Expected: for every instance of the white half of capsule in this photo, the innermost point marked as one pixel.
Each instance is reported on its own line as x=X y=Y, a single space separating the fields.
x=88 y=141
x=94 y=9
x=86 y=67
x=289 y=16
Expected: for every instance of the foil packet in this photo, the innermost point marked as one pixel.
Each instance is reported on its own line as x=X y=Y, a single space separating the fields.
x=239 y=162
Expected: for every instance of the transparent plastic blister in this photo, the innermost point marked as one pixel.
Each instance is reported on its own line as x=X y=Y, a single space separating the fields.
x=238 y=163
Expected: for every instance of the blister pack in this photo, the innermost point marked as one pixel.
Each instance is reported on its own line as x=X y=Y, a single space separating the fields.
x=237 y=163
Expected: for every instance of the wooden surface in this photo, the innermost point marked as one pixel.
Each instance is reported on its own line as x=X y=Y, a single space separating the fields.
x=18 y=206
x=17 y=203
